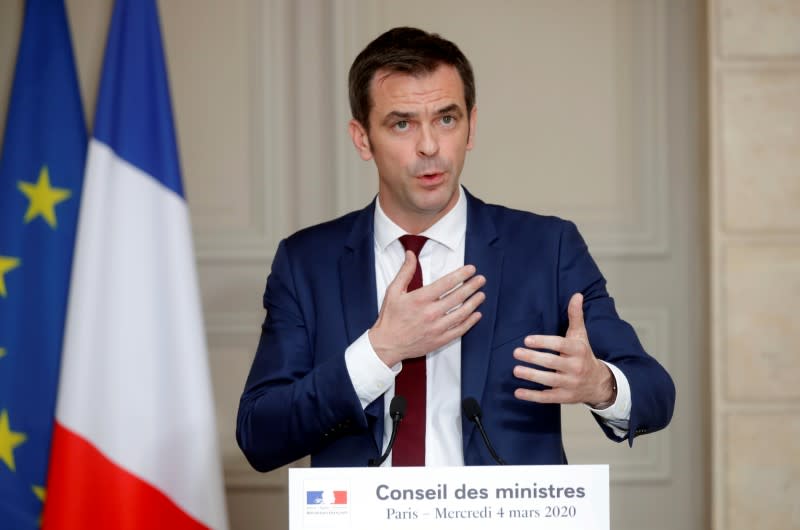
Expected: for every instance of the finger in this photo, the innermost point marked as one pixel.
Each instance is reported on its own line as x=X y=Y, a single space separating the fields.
x=541 y=396
x=543 y=377
x=460 y=329
x=405 y=274
x=540 y=358
x=577 y=327
x=452 y=300
x=565 y=346
x=450 y=281
x=455 y=316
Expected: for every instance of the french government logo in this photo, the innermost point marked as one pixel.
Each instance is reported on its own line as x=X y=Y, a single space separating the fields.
x=327 y=503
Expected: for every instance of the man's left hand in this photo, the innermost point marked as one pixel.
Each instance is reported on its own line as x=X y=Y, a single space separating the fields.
x=577 y=376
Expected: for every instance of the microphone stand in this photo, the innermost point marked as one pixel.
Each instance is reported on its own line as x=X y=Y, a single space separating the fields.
x=397 y=410
x=473 y=412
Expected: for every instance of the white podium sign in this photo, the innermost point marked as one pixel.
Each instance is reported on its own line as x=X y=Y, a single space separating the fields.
x=417 y=498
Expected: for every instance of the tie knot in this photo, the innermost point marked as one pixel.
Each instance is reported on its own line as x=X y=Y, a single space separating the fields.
x=413 y=243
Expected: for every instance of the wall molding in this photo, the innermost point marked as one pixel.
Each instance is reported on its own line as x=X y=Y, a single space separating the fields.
x=269 y=34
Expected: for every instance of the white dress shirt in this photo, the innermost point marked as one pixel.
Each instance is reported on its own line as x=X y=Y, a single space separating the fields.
x=442 y=254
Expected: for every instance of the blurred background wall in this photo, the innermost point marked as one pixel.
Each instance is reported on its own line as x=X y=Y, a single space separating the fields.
x=669 y=130
x=754 y=124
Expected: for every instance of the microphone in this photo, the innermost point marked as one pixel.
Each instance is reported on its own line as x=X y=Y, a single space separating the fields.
x=473 y=412
x=397 y=410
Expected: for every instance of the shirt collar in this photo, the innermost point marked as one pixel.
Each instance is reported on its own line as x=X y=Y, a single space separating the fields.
x=449 y=230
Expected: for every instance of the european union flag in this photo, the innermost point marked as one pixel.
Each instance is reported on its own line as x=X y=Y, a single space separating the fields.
x=41 y=172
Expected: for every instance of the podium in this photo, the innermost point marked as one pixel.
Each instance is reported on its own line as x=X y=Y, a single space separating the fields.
x=422 y=498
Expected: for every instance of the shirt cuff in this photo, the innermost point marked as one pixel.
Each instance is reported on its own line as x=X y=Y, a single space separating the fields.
x=618 y=415
x=369 y=375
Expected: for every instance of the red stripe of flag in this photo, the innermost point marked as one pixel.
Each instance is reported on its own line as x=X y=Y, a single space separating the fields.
x=86 y=490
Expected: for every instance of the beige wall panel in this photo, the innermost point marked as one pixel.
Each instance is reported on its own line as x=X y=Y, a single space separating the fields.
x=231 y=292
x=763 y=471
x=232 y=124
x=89 y=20
x=258 y=510
x=215 y=111
x=759 y=28
x=754 y=63
x=760 y=149
x=761 y=285
x=230 y=358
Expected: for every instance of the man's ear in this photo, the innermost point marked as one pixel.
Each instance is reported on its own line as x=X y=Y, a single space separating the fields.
x=473 y=124
x=360 y=139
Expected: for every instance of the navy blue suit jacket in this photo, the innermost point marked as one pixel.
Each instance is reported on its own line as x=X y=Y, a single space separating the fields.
x=320 y=297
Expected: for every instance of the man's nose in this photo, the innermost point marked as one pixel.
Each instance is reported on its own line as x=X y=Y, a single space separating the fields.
x=428 y=142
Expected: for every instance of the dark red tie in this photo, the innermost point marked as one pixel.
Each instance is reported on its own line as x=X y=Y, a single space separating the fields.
x=409 y=446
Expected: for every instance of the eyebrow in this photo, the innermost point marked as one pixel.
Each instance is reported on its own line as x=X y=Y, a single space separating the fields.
x=450 y=109
x=397 y=115
x=453 y=108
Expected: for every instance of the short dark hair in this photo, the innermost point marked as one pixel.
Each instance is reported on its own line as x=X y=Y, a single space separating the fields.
x=410 y=51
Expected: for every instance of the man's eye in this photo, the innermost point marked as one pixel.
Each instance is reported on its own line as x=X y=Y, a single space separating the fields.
x=448 y=120
x=401 y=125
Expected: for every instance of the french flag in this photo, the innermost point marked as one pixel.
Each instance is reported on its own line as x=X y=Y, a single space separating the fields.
x=134 y=444
x=326 y=497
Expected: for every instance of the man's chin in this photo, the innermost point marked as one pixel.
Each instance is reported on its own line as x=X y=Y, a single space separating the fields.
x=437 y=200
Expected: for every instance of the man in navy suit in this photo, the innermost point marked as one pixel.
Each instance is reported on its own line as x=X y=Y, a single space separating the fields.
x=511 y=311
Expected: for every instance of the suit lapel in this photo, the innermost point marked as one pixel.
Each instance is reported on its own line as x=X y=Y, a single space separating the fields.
x=483 y=250
x=359 y=298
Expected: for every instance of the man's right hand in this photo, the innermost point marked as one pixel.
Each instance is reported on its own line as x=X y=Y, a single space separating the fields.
x=412 y=324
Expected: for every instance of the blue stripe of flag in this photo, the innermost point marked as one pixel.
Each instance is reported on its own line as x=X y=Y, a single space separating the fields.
x=313 y=497
x=135 y=78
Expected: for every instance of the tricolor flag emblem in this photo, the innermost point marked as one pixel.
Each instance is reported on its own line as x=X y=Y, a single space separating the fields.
x=326 y=497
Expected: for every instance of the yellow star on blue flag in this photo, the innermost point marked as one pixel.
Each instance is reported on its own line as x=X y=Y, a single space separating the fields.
x=43 y=198
x=39 y=492
x=41 y=176
x=7 y=264
x=9 y=440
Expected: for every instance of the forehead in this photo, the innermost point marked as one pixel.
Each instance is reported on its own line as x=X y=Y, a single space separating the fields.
x=391 y=90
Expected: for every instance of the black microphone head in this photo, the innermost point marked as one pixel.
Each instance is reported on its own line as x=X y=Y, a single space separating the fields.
x=397 y=407
x=471 y=408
